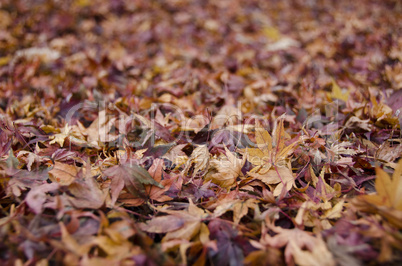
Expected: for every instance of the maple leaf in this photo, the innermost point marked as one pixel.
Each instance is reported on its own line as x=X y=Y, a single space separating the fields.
x=99 y=131
x=231 y=245
x=85 y=191
x=156 y=192
x=60 y=137
x=239 y=207
x=323 y=213
x=114 y=242
x=387 y=201
x=32 y=157
x=36 y=197
x=281 y=175
x=300 y=246
x=225 y=169
x=322 y=202
x=153 y=192
x=200 y=159
x=337 y=93
x=69 y=132
x=20 y=179
x=131 y=176
x=271 y=157
x=382 y=113
x=69 y=243
x=178 y=224
x=62 y=173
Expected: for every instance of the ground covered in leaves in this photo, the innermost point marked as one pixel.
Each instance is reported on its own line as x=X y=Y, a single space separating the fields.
x=200 y=132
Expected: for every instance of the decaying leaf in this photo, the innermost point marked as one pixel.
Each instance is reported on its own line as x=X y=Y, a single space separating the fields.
x=200 y=132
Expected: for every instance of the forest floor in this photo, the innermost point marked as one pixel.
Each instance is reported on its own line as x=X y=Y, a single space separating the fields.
x=241 y=132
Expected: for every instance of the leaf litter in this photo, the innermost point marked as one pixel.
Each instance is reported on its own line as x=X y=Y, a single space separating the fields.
x=200 y=132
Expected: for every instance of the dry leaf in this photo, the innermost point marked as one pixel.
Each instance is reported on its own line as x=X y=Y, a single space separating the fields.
x=64 y=174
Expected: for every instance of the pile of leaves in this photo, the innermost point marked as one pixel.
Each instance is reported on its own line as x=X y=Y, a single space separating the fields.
x=200 y=132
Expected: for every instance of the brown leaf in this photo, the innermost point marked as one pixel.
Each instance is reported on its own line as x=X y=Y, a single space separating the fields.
x=62 y=173
x=200 y=159
x=134 y=177
x=86 y=192
x=227 y=168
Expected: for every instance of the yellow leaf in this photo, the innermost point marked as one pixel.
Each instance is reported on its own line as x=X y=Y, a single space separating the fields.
x=194 y=210
x=317 y=256
x=71 y=244
x=83 y=3
x=200 y=158
x=271 y=33
x=279 y=135
x=275 y=176
x=396 y=186
x=186 y=232
x=264 y=139
x=314 y=178
x=239 y=207
x=204 y=234
x=4 y=60
x=60 y=137
x=388 y=200
x=334 y=212
x=383 y=186
x=270 y=151
x=337 y=92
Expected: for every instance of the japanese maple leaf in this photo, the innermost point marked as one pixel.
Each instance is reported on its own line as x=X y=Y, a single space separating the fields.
x=225 y=169
x=183 y=224
x=337 y=93
x=388 y=199
x=271 y=151
x=113 y=242
x=20 y=179
x=239 y=207
x=199 y=158
x=130 y=176
x=231 y=244
x=85 y=191
x=152 y=191
x=300 y=246
x=271 y=158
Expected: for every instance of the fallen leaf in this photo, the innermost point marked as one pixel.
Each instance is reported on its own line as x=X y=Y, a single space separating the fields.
x=337 y=92
x=239 y=207
x=62 y=173
x=387 y=200
x=200 y=159
x=133 y=176
x=226 y=169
